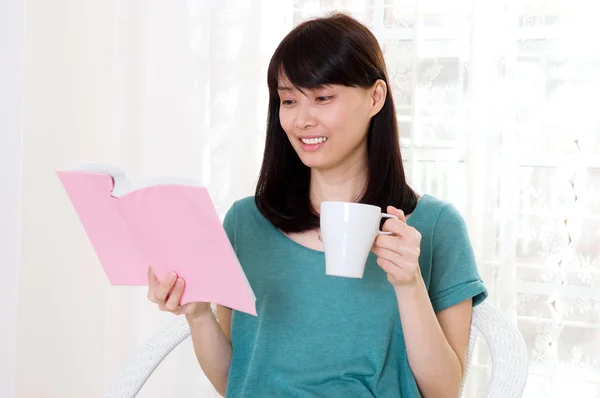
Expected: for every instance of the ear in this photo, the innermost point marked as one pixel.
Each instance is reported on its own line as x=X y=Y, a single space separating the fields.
x=377 y=97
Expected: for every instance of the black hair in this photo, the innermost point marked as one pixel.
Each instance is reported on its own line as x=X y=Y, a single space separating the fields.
x=332 y=50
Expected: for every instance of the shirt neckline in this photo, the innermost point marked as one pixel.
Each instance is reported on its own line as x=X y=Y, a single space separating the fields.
x=292 y=242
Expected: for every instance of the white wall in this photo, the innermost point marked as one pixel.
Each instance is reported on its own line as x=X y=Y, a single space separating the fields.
x=81 y=93
x=12 y=43
x=62 y=292
x=147 y=85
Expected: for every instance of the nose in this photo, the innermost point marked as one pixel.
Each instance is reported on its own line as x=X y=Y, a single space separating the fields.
x=304 y=117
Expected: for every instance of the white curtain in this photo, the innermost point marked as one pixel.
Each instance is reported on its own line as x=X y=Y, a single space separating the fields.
x=156 y=88
x=12 y=37
x=189 y=100
x=497 y=109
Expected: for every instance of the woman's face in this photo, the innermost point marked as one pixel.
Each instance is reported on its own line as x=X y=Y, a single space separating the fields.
x=327 y=126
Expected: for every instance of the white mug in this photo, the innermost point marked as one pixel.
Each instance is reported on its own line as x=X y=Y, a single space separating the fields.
x=348 y=231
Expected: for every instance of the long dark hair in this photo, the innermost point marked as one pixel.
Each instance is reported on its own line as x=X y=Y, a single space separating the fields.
x=332 y=50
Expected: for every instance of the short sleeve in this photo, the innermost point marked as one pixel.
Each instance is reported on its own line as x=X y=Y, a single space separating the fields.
x=454 y=273
x=229 y=225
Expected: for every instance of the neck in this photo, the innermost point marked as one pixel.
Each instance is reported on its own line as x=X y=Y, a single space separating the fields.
x=345 y=183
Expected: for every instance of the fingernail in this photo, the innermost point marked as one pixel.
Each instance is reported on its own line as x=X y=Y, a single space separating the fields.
x=171 y=276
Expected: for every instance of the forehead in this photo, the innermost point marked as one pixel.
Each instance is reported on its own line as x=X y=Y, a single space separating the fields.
x=283 y=81
x=285 y=85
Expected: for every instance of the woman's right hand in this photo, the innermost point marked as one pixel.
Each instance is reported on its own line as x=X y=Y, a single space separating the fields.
x=167 y=294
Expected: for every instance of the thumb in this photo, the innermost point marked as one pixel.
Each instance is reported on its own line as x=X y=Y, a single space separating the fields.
x=396 y=212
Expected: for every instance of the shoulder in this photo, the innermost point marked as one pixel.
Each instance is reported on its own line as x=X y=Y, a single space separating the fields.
x=446 y=214
x=451 y=271
x=438 y=219
x=244 y=205
x=434 y=212
x=238 y=219
x=244 y=213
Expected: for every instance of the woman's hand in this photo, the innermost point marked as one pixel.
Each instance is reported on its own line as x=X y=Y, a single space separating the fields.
x=398 y=254
x=167 y=294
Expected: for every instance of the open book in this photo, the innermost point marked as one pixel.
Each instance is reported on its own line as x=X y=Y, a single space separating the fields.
x=166 y=224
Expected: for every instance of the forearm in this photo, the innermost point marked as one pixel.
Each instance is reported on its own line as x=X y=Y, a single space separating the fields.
x=212 y=349
x=434 y=363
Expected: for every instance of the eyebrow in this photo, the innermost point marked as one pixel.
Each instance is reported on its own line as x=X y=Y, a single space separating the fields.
x=284 y=88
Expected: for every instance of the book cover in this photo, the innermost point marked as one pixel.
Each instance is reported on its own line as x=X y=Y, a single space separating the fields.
x=168 y=225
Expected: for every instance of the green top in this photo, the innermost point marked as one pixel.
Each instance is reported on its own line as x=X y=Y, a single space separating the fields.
x=325 y=336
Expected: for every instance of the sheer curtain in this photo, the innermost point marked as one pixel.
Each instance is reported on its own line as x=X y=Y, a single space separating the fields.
x=156 y=88
x=496 y=104
x=189 y=100
x=12 y=37
x=496 y=109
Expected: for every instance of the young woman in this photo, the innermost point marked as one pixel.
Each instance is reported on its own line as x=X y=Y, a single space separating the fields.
x=400 y=331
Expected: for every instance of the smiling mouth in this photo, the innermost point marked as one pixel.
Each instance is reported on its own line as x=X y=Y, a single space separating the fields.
x=313 y=141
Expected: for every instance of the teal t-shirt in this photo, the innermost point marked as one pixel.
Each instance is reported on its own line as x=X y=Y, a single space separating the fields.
x=323 y=336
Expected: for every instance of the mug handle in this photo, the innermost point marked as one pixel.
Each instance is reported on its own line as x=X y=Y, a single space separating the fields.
x=385 y=215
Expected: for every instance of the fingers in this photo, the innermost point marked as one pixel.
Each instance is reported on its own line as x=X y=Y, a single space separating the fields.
x=152 y=275
x=402 y=230
x=152 y=285
x=397 y=212
x=389 y=255
x=397 y=227
x=387 y=265
x=396 y=244
x=167 y=293
x=394 y=272
x=164 y=287
x=398 y=274
x=175 y=295
x=389 y=242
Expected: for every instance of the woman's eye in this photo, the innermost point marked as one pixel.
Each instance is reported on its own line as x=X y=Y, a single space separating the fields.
x=324 y=98
x=287 y=102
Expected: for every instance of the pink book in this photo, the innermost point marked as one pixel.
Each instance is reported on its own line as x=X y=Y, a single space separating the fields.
x=169 y=225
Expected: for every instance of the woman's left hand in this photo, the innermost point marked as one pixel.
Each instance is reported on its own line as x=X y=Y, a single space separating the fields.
x=398 y=254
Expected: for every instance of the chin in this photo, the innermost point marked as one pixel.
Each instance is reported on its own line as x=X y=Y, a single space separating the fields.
x=316 y=164
x=315 y=160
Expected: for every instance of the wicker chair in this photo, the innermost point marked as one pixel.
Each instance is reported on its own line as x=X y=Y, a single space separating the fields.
x=506 y=345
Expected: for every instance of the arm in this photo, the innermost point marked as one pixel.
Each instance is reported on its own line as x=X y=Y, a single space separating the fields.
x=212 y=345
x=210 y=338
x=436 y=346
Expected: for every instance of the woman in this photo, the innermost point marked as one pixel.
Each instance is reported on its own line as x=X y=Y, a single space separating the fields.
x=401 y=330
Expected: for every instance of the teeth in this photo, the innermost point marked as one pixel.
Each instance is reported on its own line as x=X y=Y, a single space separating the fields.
x=313 y=141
